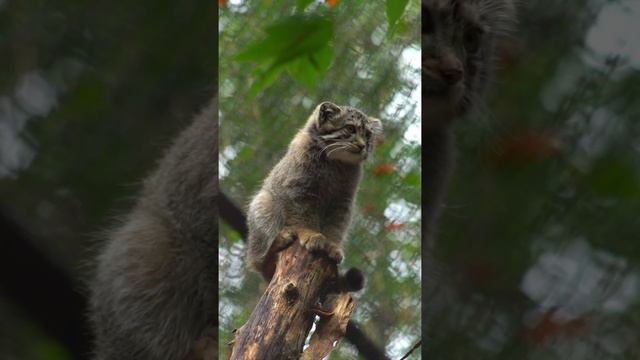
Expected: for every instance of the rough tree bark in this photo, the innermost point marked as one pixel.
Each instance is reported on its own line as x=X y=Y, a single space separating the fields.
x=368 y=349
x=281 y=321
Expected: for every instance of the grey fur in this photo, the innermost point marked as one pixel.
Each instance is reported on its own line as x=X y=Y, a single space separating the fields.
x=314 y=184
x=154 y=291
x=460 y=39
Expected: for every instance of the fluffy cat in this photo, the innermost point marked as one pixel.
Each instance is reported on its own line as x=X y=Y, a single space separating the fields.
x=313 y=186
x=460 y=40
x=154 y=292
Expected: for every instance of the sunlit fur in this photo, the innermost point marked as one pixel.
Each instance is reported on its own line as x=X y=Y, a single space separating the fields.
x=459 y=46
x=314 y=184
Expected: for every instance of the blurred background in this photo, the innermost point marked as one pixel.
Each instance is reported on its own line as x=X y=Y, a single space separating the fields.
x=278 y=60
x=540 y=238
x=91 y=93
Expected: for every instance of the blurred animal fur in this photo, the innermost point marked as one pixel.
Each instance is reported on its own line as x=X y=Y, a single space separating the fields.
x=154 y=294
x=460 y=41
x=313 y=186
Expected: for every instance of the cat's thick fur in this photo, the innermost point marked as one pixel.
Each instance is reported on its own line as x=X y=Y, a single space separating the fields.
x=314 y=184
x=460 y=41
x=154 y=292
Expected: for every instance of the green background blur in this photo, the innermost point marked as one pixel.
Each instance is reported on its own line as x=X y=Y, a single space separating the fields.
x=351 y=54
x=91 y=93
x=540 y=237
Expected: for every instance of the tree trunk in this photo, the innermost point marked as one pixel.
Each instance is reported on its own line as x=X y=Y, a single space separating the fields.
x=281 y=321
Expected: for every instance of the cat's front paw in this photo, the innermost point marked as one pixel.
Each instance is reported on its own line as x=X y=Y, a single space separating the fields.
x=314 y=242
x=334 y=251
x=285 y=238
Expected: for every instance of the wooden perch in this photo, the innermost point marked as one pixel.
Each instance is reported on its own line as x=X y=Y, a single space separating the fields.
x=281 y=321
x=330 y=329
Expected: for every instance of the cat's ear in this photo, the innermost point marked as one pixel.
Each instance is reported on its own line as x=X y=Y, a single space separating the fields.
x=326 y=112
x=376 y=125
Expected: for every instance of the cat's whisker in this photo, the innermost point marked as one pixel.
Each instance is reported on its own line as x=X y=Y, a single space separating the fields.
x=333 y=150
x=352 y=146
x=327 y=147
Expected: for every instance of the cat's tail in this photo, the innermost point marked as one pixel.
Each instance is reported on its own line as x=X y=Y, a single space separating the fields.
x=265 y=219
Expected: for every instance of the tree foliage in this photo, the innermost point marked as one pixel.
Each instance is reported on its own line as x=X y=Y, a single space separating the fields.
x=90 y=96
x=352 y=59
x=539 y=236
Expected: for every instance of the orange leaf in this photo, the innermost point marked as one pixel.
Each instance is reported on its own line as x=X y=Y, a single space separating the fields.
x=547 y=327
x=394 y=226
x=333 y=3
x=222 y=2
x=524 y=148
x=371 y=210
x=384 y=169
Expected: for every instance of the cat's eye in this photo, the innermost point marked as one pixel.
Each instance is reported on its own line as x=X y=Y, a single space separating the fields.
x=472 y=39
x=350 y=128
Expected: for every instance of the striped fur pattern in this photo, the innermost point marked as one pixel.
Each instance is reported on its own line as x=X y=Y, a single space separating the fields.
x=314 y=184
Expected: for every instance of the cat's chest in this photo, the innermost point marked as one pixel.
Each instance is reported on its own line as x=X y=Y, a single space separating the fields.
x=323 y=185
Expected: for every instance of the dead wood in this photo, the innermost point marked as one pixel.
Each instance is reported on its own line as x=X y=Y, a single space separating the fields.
x=283 y=317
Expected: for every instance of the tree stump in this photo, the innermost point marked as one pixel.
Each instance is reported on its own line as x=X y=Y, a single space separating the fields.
x=283 y=317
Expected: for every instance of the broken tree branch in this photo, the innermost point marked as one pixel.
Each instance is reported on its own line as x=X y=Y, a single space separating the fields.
x=233 y=216
x=330 y=329
x=281 y=321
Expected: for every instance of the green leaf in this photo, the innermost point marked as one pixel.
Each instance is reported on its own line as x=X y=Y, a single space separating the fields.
x=302 y=4
x=395 y=8
x=322 y=59
x=301 y=43
x=413 y=179
x=265 y=79
x=303 y=71
x=615 y=178
x=309 y=69
x=234 y=236
x=289 y=38
x=306 y=40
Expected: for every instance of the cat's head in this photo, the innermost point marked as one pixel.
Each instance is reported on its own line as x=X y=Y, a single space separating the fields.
x=459 y=38
x=344 y=134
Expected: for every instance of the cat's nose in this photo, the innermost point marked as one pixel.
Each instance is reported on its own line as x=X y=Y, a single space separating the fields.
x=451 y=69
x=451 y=76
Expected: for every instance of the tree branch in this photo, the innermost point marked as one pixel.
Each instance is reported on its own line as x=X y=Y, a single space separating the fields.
x=42 y=289
x=330 y=329
x=413 y=348
x=279 y=324
x=232 y=215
